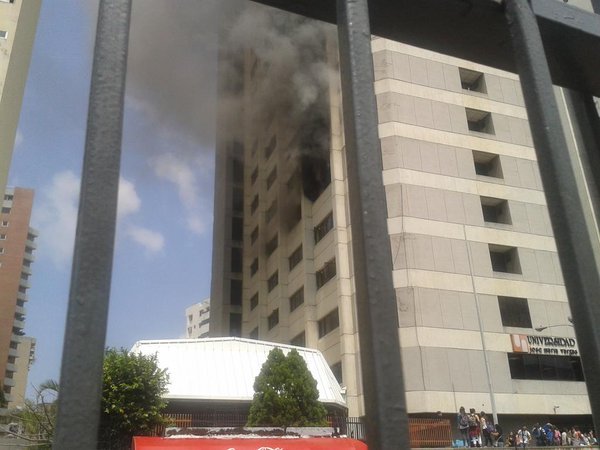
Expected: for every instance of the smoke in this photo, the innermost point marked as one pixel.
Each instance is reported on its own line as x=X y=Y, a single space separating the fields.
x=189 y=59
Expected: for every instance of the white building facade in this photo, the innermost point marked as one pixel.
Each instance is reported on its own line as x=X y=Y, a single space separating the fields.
x=198 y=320
x=475 y=265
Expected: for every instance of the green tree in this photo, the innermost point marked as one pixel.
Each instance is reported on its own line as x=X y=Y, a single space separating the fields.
x=132 y=397
x=286 y=394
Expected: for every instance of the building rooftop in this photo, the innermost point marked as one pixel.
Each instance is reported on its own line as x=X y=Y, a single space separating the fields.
x=225 y=368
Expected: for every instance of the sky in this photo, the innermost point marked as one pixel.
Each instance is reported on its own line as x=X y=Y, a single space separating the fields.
x=162 y=261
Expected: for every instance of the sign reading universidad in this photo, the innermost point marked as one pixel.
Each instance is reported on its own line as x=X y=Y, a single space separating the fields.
x=544 y=345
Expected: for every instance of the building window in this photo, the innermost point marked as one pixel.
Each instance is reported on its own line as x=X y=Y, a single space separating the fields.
x=271 y=178
x=254 y=235
x=238 y=200
x=254 y=176
x=235 y=293
x=238 y=171
x=525 y=366
x=236 y=260
x=5 y=210
x=323 y=227
x=472 y=80
x=254 y=267
x=329 y=323
x=237 y=229
x=295 y=257
x=514 y=312
x=254 y=204
x=337 y=371
x=299 y=340
x=495 y=210
x=271 y=211
x=269 y=149
x=5 y=223
x=273 y=281
x=3 y=34
x=2 y=237
x=297 y=299
x=479 y=121
x=235 y=325
x=272 y=245
x=487 y=164
x=253 y=301
x=326 y=273
x=273 y=319
x=504 y=259
x=254 y=334
x=295 y=216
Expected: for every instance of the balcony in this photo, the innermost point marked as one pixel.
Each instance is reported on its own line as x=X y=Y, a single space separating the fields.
x=11 y=367
x=20 y=310
x=22 y=296
x=13 y=352
x=28 y=256
x=31 y=244
x=9 y=382
x=19 y=323
x=24 y=283
x=26 y=270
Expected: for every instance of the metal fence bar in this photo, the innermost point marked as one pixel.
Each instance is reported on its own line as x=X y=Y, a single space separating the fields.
x=383 y=384
x=83 y=350
x=575 y=239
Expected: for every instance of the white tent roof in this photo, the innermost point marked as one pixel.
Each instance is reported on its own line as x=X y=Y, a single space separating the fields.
x=225 y=368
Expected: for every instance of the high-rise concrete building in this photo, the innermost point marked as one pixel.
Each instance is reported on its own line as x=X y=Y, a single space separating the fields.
x=198 y=320
x=483 y=315
x=18 y=22
x=17 y=243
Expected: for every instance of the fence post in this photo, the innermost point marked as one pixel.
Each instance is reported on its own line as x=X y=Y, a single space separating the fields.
x=83 y=349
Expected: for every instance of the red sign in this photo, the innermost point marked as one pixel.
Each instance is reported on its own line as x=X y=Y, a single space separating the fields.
x=157 y=443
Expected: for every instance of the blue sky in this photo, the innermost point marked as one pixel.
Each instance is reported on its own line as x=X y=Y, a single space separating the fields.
x=163 y=245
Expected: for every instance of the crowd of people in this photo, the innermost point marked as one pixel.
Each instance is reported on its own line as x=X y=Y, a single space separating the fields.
x=479 y=430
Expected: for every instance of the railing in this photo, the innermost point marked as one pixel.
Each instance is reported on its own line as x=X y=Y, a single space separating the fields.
x=431 y=433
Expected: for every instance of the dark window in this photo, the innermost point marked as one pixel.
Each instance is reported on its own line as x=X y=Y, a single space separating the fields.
x=479 y=121
x=487 y=164
x=237 y=229
x=5 y=210
x=295 y=216
x=254 y=235
x=525 y=366
x=253 y=301
x=254 y=267
x=273 y=319
x=254 y=176
x=272 y=245
x=295 y=257
x=504 y=259
x=297 y=299
x=329 y=323
x=235 y=324
x=337 y=371
x=514 y=312
x=236 y=260
x=236 y=292
x=323 y=227
x=271 y=178
x=270 y=213
x=238 y=199
x=471 y=80
x=326 y=273
x=254 y=334
x=269 y=149
x=238 y=171
x=254 y=204
x=273 y=281
x=495 y=210
x=299 y=340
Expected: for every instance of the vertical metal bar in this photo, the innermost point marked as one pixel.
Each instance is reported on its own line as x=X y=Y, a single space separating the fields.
x=83 y=350
x=383 y=383
x=575 y=239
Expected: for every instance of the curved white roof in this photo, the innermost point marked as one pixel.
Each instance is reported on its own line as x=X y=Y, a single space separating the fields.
x=225 y=368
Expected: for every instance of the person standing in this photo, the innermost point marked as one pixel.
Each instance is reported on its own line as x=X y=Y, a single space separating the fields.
x=523 y=437
x=474 y=428
x=463 y=425
x=485 y=430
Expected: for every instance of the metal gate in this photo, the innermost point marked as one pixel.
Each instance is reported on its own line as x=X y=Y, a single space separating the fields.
x=544 y=41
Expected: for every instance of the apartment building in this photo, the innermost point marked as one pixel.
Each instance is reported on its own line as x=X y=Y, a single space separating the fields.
x=17 y=244
x=18 y=22
x=198 y=320
x=484 y=320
